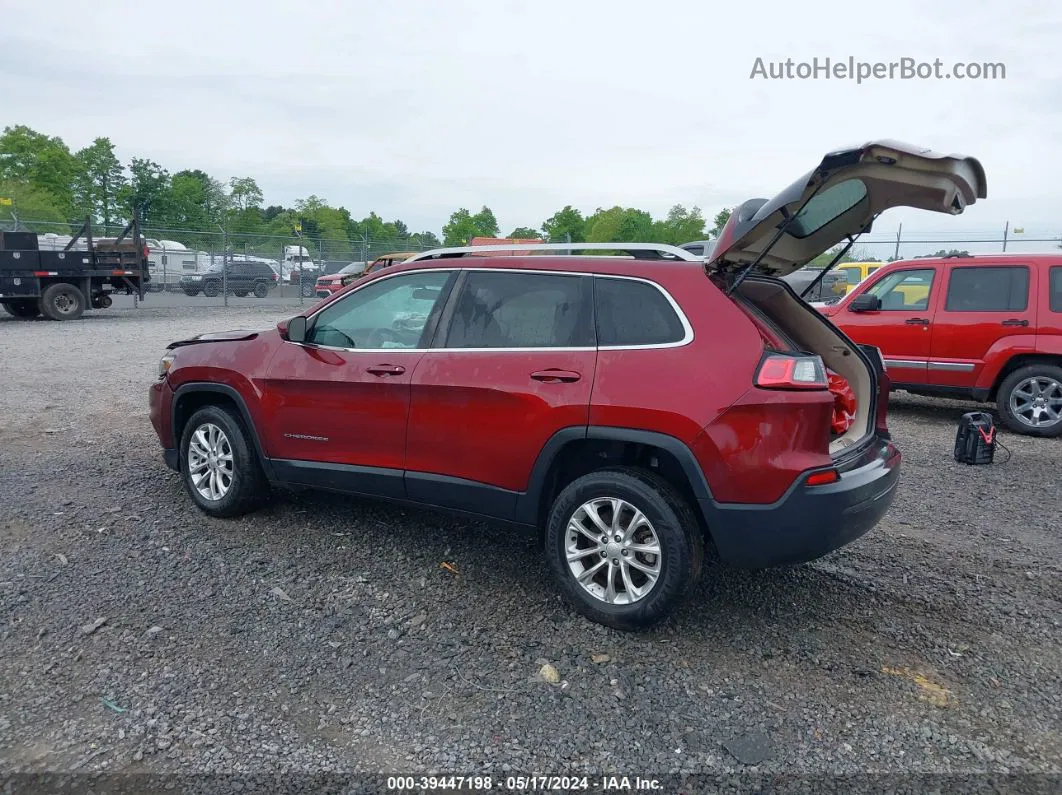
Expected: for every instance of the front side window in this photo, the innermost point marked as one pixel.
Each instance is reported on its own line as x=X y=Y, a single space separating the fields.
x=522 y=310
x=633 y=313
x=904 y=291
x=389 y=313
x=1003 y=289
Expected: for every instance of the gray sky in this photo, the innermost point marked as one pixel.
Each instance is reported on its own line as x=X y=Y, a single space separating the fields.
x=413 y=108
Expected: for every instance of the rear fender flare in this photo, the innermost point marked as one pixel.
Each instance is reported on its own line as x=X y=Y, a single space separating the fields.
x=1002 y=352
x=527 y=504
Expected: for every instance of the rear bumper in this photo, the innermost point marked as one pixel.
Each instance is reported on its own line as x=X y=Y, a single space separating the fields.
x=808 y=521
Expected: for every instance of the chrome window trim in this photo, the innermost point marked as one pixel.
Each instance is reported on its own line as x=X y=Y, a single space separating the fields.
x=687 y=328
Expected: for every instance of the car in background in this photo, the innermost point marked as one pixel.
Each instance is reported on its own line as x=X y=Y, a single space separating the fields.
x=855 y=272
x=333 y=282
x=700 y=248
x=986 y=327
x=830 y=287
x=386 y=261
x=527 y=390
x=239 y=277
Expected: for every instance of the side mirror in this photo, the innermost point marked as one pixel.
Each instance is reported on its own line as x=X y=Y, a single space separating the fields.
x=296 y=329
x=865 y=303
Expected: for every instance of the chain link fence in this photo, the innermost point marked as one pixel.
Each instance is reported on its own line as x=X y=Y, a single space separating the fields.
x=221 y=266
x=203 y=267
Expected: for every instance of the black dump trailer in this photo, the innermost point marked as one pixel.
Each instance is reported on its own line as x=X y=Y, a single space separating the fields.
x=61 y=285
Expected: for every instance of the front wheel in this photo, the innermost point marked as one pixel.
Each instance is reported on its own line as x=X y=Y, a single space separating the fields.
x=219 y=465
x=624 y=547
x=211 y=289
x=1030 y=400
x=24 y=308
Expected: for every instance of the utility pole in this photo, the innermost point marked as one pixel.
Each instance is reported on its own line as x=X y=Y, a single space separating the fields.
x=1006 y=229
x=899 y=231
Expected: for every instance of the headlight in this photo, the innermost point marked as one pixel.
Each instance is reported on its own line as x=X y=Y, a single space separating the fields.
x=165 y=363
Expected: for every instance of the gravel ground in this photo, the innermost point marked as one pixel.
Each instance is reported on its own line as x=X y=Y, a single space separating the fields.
x=324 y=634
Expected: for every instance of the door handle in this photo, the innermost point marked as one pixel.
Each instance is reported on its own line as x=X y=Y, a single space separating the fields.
x=386 y=369
x=554 y=376
x=917 y=321
x=1015 y=322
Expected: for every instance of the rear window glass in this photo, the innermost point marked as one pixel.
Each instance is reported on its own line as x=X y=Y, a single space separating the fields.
x=826 y=206
x=1056 y=289
x=1003 y=289
x=634 y=313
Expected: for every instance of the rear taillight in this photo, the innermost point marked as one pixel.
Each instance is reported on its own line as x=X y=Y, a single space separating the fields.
x=785 y=371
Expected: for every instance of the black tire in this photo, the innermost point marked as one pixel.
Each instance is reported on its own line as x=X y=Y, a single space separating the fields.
x=248 y=487
x=62 y=302
x=261 y=290
x=678 y=532
x=23 y=308
x=1051 y=378
x=211 y=289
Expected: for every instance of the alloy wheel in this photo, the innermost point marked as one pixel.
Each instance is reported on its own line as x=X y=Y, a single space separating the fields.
x=613 y=551
x=1037 y=402
x=210 y=462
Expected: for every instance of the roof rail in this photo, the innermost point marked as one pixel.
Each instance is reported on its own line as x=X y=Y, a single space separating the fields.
x=638 y=250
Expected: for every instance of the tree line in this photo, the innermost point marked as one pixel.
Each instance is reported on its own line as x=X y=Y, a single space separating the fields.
x=46 y=181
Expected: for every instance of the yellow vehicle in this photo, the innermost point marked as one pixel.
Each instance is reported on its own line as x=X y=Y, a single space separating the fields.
x=857 y=271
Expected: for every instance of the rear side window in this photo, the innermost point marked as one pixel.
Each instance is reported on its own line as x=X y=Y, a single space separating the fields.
x=981 y=289
x=522 y=310
x=633 y=313
x=1055 y=295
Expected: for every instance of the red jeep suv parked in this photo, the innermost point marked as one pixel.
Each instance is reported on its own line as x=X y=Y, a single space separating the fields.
x=636 y=409
x=986 y=327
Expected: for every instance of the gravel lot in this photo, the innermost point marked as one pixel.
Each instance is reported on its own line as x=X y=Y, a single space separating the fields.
x=324 y=634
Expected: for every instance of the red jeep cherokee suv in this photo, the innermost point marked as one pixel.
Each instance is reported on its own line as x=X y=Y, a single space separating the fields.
x=637 y=409
x=986 y=327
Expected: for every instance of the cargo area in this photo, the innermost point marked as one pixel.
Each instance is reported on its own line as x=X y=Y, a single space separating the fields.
x=807 y=331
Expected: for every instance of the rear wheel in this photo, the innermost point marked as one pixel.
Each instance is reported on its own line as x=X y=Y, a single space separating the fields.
x=62 y=302
x=1030 y=400
x=219 y=465
x=624 y=547
x=261 y=290
x=24 y=308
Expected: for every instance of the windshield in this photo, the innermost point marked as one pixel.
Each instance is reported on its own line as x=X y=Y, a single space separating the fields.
x=354 y=267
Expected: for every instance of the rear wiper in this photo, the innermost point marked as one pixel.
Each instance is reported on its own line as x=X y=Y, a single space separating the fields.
x=845 y=250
